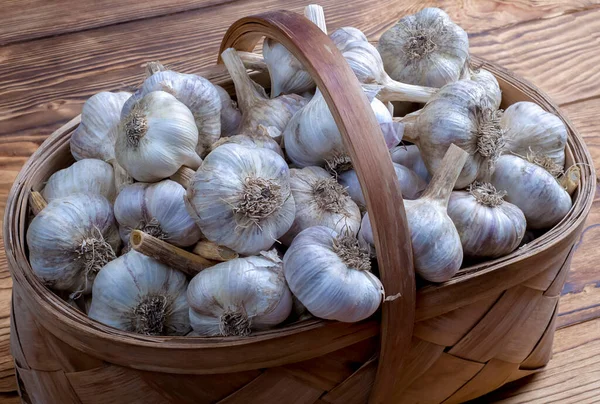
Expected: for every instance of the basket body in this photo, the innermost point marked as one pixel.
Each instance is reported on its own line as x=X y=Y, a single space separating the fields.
x=491 y=324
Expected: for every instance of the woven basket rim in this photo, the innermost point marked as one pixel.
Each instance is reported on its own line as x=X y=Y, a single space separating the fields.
x=23 y=274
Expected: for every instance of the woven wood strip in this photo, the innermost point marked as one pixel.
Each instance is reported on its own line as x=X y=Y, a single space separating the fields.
x=420 y=358
x=48 y=387
x=356 y=388
x=543 y=350
x=556 y=286
x=493 y=375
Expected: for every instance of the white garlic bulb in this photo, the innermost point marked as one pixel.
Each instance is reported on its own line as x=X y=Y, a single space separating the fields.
x=241 y=198
x=342 y=37
x=256 y=107
x=70 y=240
x=410 y=157
x=330 y=274
x=436 y=244
x=157 y=137
x=231 y=117
x=261 y=139
x=138 y=294
x=95 y=138
x=87 y=176
x=157 y=209
x=490 y=85
x=287 y=74
x=410 y=183
x=321 y=201
x=530 y=129
x=535 y=191
x=425 y=49
x=488 y=226
x=239 y=296
x=312 y=137
x=195 y=92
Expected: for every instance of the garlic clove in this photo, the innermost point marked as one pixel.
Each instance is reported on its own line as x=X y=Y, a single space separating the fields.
x=530 y=129
x=231 y=117
x=70 y=240
x=488 y=226
x=410 y=157
x=236 y=297
x=87 y=176
x=156 y=138
x=195 y=92
x=410 y=183
x=157 y=209
x=320 y=201
x=425 y=49
x=257 y=109
x=137 y=294
x=240 y=198
x=492 y=89
x=94 y=137
x=535 y=191
x=330 y=274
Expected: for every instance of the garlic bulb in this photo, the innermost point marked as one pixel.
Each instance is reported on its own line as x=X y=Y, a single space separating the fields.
x=530 y=129
x=366 y=63
x=195 y=92
x=95 y=138
x=138 y=294
x=240 y=198
x=410 y=183
x=330 y=274
x=261 y=139
x=312 y=137
x=321 y=201
x=157 y=137
x=256 y=107
x=535 y=191
x=410 y=157
x=231 y=117
x=490 y=85
x=488 y=226
x=87 y=176
x=287 y=74
x=70 y=240
x=436 y=244
x=239 y=296
x=157 y=209
x=425 y=49
x=344 y=36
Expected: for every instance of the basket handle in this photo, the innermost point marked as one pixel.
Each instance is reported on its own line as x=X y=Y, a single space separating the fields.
x=370 y=156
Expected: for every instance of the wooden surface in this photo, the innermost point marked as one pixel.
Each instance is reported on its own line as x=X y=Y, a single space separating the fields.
x=56 y=54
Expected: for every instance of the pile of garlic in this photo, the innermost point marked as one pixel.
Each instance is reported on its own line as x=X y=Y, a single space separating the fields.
x=267 y=179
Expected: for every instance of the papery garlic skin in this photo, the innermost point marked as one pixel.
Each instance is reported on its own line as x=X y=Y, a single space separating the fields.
x=487 y=225
x=425 y=48
x=195 y=92
x=240 y=198
x=255 y=140
x=342 y=37
x=490 y=85
x=94 y=137
x=530 y=129
x=312 y=137
x=321 y=201
x=231 y=117
x=157 y=209
x=87 y=176
x=410 y=183
x=535 y=191
x=138 y=294
x=157 y=137
x=329 y=280
x=70 y=240
x=239 y=296
x=410 y=157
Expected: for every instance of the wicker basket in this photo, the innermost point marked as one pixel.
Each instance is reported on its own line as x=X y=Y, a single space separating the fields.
x=489 y=325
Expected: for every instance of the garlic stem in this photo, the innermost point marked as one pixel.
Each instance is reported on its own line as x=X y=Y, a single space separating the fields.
x=410 y=134
x=37 y=202
x=315 y=13
x=153 y=68
x=183 y=176
x=253 y=61
x=168 y=254
x=215 y=252
x=442 y=183
x=396 y=91
x=245 y=89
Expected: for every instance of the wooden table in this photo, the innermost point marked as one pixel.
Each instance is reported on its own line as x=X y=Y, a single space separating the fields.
x=55 y=54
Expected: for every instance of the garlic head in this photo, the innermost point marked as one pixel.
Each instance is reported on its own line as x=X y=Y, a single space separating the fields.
x=261 y=139
x=490 y=85
x=231 y=117
x=87 y=176
x=410 y=157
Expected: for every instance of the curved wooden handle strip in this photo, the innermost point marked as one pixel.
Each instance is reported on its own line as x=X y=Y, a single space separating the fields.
x=364 y=142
